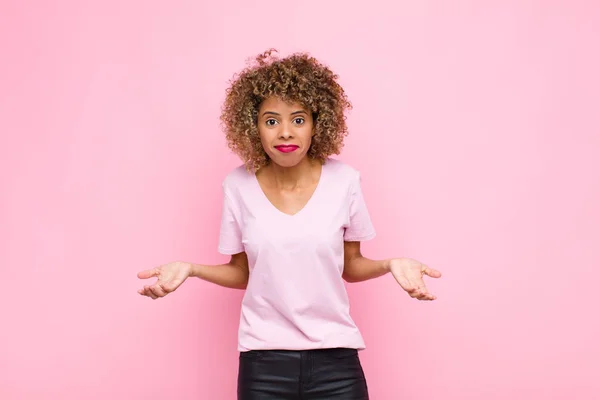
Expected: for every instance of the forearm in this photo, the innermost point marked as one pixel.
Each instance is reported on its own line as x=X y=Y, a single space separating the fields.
x=358 y=269
x=227 y=275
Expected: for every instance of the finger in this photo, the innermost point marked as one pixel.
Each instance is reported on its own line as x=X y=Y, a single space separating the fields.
x=425 y=295
x=149 y=273
x=420 y=289
x=418 y=283
x=425 y=270
x=149 y=292
x=157 y=290
x=416 y=293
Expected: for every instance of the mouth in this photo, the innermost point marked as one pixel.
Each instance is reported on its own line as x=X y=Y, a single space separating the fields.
x=286 y=148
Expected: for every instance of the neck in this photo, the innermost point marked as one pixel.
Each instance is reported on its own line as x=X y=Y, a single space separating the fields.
x=302 y=174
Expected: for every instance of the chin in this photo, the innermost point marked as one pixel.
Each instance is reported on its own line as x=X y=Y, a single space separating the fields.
x=287 y=161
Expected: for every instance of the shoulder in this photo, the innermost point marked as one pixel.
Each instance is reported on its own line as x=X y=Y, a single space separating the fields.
x=342 y=172
x=237 y=179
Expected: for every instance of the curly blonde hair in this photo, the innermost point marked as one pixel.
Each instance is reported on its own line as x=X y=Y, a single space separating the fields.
x=297 y=78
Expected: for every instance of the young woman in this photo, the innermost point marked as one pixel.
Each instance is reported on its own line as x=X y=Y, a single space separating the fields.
x=292 y=222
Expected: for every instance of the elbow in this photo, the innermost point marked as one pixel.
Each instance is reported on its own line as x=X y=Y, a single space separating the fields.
x=243 y=284
x=348 y=276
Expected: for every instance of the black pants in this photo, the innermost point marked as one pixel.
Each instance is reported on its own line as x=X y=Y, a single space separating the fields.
x=328 y=374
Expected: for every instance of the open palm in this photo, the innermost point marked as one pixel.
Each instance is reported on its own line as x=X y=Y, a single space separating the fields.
x=170 y=277
x=409 y=274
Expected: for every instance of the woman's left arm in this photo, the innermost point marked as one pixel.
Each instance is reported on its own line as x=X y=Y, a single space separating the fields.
x=358 y=268
x=407 y=272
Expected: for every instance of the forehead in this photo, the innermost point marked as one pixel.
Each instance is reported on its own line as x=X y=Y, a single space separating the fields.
x=280 y=105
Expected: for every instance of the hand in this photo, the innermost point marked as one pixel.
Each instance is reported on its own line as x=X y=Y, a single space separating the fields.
x=170 y=277
x=409 y=274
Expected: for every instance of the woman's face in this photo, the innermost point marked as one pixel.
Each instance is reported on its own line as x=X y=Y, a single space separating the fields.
x=285 y=130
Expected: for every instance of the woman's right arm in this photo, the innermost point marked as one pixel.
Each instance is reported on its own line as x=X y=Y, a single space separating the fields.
x=232 y=275
x=170 y=276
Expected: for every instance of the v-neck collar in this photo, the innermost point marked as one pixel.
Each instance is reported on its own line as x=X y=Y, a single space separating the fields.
x=311 y=200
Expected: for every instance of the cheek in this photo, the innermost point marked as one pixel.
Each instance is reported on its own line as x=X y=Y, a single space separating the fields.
x=307 y=136
x=265 y=137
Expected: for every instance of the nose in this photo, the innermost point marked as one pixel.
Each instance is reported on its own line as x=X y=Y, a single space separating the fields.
x=286 y=131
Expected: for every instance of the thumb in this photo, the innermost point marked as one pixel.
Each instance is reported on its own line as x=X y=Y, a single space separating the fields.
x=149 y=273
x=432 y=272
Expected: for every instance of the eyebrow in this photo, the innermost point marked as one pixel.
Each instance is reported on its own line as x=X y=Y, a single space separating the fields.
x=279 y=115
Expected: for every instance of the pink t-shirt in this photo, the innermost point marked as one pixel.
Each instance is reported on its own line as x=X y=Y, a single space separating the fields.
x=296 y=298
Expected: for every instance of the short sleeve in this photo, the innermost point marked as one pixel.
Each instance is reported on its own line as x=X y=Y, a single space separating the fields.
x=360 y=227
x=230 y=235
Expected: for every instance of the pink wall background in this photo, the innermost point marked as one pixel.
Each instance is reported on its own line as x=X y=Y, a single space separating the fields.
x=475 y=127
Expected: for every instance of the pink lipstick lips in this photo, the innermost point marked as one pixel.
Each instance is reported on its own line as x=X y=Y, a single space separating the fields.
x=286 y=148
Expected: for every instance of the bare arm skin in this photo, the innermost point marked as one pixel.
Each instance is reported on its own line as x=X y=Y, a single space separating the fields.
x=408 y=272
x=232 y=275
x=170 y=276
x=358 y=268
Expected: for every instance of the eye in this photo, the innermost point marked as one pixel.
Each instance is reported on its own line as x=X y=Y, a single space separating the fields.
x=299 y=120
x=271 y=122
